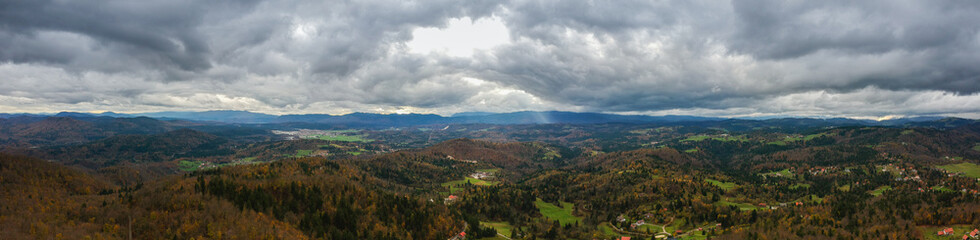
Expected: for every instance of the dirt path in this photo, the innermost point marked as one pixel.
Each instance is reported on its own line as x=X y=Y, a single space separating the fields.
x=457 y=236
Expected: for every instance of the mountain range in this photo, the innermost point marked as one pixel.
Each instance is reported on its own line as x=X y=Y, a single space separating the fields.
x=373 y=120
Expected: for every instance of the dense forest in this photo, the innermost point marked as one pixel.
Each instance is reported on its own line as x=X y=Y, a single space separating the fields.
x=105 y=178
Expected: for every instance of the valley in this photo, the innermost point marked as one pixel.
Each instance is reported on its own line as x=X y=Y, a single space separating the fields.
x=156 y=179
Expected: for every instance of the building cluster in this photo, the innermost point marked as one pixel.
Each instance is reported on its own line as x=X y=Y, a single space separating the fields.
x=481 y=175
x=950 y=232
x=821 y=170
x=637 y=223
x=905 y=173
x=450 y=157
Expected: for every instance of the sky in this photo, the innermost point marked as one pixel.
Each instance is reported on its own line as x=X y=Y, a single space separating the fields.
x=873 y=59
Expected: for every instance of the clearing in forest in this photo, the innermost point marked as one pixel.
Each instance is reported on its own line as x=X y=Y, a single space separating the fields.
x=563 y=214
x=723 y=185
x=968 y=169
x=503 y=228
x=878 y=191
x=457 y=185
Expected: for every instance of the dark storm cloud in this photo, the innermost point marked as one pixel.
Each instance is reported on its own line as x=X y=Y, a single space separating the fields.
x=788 y=29
x=160 y=32
x=941 y=32
x=715 y=55
x=698 y=57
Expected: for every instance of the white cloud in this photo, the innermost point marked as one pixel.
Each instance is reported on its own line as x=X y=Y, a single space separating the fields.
x=461 y=37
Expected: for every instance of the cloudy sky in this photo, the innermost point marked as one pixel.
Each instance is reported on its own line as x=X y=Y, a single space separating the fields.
x=869 y=59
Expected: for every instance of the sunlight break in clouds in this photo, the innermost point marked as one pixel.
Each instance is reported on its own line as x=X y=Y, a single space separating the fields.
x=460 y=38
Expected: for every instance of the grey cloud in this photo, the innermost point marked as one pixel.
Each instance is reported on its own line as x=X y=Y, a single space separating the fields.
x=788 y=29
x=348 y=35
x=720 y=57
x=159 y=32
x=936 y=37
x=611 y=56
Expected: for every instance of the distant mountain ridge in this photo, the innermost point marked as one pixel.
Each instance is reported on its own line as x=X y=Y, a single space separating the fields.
x=524 y=117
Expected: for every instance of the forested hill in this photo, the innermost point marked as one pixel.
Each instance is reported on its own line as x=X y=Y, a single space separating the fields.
x=544 y=181
x=381 y=121
x=296 y=199
x=118 y=149
x=28 y=131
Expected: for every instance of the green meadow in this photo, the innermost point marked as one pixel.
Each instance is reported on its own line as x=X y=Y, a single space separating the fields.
x=563 y=214
x=968 y=169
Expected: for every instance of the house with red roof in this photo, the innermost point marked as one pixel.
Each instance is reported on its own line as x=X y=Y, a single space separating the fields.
x=450 y=199
x=945 y=232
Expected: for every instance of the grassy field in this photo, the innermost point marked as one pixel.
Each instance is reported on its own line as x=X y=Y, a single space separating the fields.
x=607 y=229
x=719 y=138
x=845 y=188
x=804 y=138
x=781 y=173
x=498 y=237
x=812 y=136
x=799 y=185
x=652 y=227
x=910 y=131
x=340 y=135
x=349 y=150
x=780 y=143
x=880 y=190
x=656 y=228
x=976 y=147
x=695 y=138
x=968 y=169
x=741 y=206
x=810 y=198
x=723 y=185
x=641 y=131
x=188 y=166
x=942 y=189
x=563 y=214
x=323 y=146
x=341 y=138
x=692 y=150
x=696 y=235
x=501 y=227
x=455 y=186
x=929 y=232
x=301 y=153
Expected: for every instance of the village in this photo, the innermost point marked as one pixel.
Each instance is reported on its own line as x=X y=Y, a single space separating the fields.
x=951 y=233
